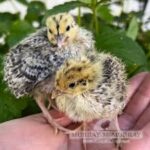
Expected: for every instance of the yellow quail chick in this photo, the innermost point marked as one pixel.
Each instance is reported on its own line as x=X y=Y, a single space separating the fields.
x=91 y=87
x=30 y=66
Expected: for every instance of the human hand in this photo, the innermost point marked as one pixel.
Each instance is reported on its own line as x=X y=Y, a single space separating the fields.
x=34 y=133
x=136 y=115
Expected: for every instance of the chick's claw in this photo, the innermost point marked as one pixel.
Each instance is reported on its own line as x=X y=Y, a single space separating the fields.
x=47 y=115
x=51 y=104
x=56 y=130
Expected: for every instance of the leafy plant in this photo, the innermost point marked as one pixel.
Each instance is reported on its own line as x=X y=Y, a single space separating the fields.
x=121 y=36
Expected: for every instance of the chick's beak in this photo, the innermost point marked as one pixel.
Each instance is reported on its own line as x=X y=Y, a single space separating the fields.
x=60 y=41
x=56 y=93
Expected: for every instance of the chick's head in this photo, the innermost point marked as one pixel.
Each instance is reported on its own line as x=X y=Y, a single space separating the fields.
x=61 y=29
x=77 y=76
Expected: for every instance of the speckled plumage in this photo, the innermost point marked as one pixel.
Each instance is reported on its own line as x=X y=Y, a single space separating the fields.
x=34 y=60
x=104 y=101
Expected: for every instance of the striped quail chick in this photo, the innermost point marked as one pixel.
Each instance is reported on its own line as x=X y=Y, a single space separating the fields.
x=30 y=66
x=91 y=87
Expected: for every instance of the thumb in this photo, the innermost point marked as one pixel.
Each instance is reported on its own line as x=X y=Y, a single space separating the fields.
x=60 y=118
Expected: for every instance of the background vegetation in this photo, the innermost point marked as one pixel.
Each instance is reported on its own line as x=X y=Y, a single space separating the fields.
x=121 y=36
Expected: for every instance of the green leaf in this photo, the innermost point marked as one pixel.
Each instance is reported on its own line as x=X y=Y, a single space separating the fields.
x=64 y=8
x=6 y=20
x=87 y=21
x=36 y=11
x=103 y=12
x=86 y=1
x=32 y=108
x=4 y=48
x=18 y=31
x=102 y=1
x=119 y=44
x=10 y=108
x=25 y=2
x=133 y=28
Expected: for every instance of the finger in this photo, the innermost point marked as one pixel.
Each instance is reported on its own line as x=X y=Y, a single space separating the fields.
x=56 y=114
x=39 y=118
x=75 y=144
x=139 y=101
x=98 y=141
x=134 y=83
x=60 y=118
x=141 y=143
x=101 y=146
x=143 y=120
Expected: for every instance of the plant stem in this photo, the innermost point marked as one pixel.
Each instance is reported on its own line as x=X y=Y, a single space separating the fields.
x=79 y=15
x=95 y=21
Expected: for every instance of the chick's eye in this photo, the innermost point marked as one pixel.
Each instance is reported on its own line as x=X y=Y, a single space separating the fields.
x=72 y=85
x=68 y=28
x=83 y=82
x=50 y=31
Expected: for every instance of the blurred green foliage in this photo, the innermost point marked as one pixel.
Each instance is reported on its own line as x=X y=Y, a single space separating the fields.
x=121 y=36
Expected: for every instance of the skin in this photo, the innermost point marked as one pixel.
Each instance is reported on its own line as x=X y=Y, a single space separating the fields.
x=34 y=133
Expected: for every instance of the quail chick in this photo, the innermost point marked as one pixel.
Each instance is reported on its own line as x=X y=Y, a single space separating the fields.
x=91 y=87
x=30 y=66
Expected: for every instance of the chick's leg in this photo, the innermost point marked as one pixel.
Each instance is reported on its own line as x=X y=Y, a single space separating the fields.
x=51 y=104
x=84 y=126
x=115 y=126
x=40 y=102
x=118 y=141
